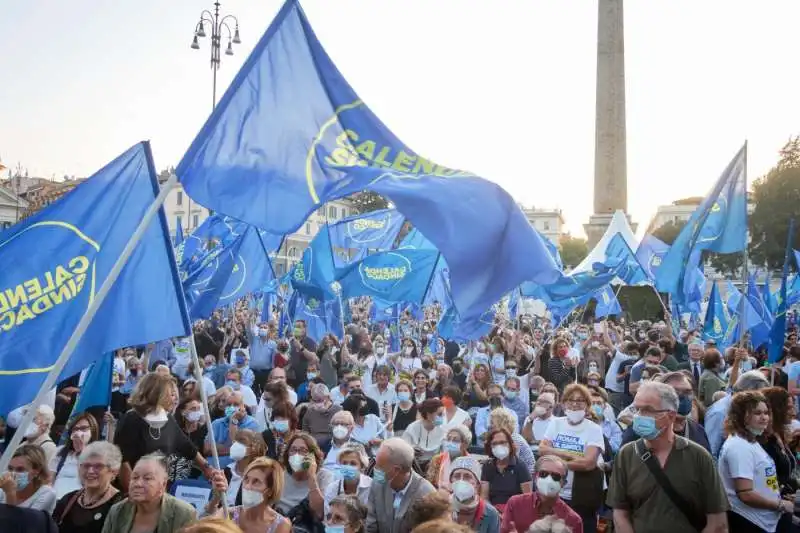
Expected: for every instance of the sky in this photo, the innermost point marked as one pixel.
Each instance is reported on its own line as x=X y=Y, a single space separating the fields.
x=504 y=89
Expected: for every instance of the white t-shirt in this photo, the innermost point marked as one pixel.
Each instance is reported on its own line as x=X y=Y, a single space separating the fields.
x=372 y=429
x=234 y=484
x=540 y=426
x=613 y=368
x=67 y=479
x=458 y=419
x=430 y=442
x=44 y=499
x=409 y=364
x=748 y=460
x=575 y=440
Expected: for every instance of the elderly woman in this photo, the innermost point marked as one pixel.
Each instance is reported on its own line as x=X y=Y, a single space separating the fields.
x=25 y=483
x=38 y=431
x=502 y=476
x=262 y=487
x=246 y=448
x=748 y=473
x=353 y=462
x=149 y=428
x=346 y=514
x=148 y=507
x=64 y=466
x=536 y=424
x=303 y=477
x=470 y=509
x=318 y=415
x=84 y=510
x=503 y=418
x=456 y=442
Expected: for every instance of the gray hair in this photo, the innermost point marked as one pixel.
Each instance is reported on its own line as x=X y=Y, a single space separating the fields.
x=669 y=377
x=156 y=458
x=108 y=452
x=347 y=415
x=752 y=380
x=358 y=449
x=463 y=431
x=46 y=414
x=551 y=459
x=669 y=398
x=400 y=452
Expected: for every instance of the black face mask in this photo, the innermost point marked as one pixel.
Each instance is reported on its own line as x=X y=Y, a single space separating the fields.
x=363 y=410
x=426 y=365
x=457 y=369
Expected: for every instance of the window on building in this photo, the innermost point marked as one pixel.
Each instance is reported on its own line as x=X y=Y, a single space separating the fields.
x=180 y=198
x=280 y=270
x=308 y=228
x=332 y=212
x=292 y=252
x=546 y=225
x=195 y=220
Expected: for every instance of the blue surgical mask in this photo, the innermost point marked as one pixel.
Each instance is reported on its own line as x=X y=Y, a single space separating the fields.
x=747 y=366
x=645 y=427
x=209 y=369
x=453 y=448
x=378 y=475
x=403 y=396
x=598 y=411
x=684 y=405
x=230 y=410
x=512 y=394
x=334 y=529
x=349 y=472
x=281 y=426
x=438 y=421
x=232 y=384
x=21 y=479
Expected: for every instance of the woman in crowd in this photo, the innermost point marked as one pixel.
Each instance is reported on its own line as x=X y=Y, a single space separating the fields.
x=262 y=487
x=64 y=466
x=502 y=476
x=148 y=507
x=470 y=509
x=455 y=445
x=149 y=428
x=353 y=462
x=284 y=422
x=25 y=483
x=408 y=360
x=346 y=514
x=444 y=379
x=405 y=411
x=367 y=429
x=710 y=380
x=246 y=448
x=477 y=387
x=558 y=410
x=775 y=441
x=421 y=390
x=219 y=402
x=303 y=478
x=579 y=441
x=504 y=419
x=135 y=373
x=191 y=419
x=748 y=472
x=84 y=510
x=536 y=424
x=275 y=392
x=38 y=431
x=560 y=367
x=453 y=414
x=320 y=411
x=426 y=433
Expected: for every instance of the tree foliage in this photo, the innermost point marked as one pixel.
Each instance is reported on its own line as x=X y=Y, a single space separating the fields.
x=777 y=200
x=669 y=232
x=573 y=250
x=368 y=201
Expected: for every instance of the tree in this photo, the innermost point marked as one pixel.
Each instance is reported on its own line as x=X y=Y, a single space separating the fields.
x=573 y=250
x=669 y=232
x=368 y=201
x=777 y=199
x=729 y=264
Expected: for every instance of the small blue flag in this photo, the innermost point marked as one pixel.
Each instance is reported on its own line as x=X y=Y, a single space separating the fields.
x=632 y=273
x=650 y=254
x=607 y=303
x=778 y=331
x=715 y=326
x=360 y=234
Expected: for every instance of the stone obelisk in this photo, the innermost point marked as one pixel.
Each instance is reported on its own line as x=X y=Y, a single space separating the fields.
x=610 y=154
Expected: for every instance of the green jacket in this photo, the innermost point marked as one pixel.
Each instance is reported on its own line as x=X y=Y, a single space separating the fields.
x=174 y=515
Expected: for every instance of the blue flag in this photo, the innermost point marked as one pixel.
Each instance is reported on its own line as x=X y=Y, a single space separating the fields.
x=95 y=391
x=321 y=316
x=178 y=232
x=632 y=273
x=607 y=303
x=415 y=240
x=375 y=231
x=215 y=233
x=751 y=319
x=569 y=290
x=650 y=254
x=57 y=259
x=395 y=276
x=291 y=134
x=719 y=225
x=316 y=271
x=715 y=326
x=778 y=330
x=760 y=332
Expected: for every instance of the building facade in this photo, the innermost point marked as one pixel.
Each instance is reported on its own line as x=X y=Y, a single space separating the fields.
x=549 y=222
x=11 y=208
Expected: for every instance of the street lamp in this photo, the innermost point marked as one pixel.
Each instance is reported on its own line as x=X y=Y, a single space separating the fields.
x=216 y=25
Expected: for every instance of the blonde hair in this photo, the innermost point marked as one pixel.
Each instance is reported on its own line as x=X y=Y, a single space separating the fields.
x=274 y=481
x=502 y=418
x=212 y=525
x=152 y=391
x=35 y=456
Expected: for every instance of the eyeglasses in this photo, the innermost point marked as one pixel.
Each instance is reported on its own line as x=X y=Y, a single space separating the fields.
x=647 y=411
x=97 y=467
x=301 y=451
x=541 y=474
x=578 y=403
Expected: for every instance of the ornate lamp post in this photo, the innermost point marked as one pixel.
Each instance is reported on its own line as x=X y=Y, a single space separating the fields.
x=217 y=25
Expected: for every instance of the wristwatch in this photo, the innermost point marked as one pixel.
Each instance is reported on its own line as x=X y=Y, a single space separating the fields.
x=234 y=421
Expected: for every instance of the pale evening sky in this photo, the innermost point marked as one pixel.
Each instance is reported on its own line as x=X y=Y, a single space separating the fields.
x=503 y=88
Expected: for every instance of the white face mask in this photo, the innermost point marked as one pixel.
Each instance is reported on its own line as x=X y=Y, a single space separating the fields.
x=296 y=462
x=380 y=350
x=463 y=491
x=238 y=451
x=251 y=498
x=547 y=486
x=408 y=351
x=539 y=411
x=339 y=431
x=501 y=451
x=575 y=416
x=194 y=416
x=82 y=436
x=32 y=430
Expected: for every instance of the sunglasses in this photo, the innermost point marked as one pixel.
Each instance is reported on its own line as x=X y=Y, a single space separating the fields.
x=555 y=477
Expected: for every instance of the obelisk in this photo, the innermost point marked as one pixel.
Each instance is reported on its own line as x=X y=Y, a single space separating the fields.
x=610 y=154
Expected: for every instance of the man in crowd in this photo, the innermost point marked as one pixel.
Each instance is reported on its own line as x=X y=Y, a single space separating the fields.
x=695 y=362
x=303 y=350
x=225 y=428
x=262 y=351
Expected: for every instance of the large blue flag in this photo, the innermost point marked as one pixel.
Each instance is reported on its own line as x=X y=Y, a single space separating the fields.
x=316 y=271
x=395 y=276
x=650 y=254
x=632 y=273
x=719 y=225
x=321 y=316
x=215 y=233
x=569 y=290
x=607 y=303
x=439 y=288
x=778 y=331
x=95 y=391
x=360 y=234
x=291 y=134
x=715 y=326
x=56 y=261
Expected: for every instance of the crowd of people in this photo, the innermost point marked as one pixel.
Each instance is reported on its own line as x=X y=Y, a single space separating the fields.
x=581 y=428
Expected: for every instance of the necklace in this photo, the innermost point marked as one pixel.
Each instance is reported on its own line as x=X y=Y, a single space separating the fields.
x=89 y=504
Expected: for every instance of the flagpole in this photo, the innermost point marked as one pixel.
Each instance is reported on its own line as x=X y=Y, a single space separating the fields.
x=742 y=307
x=86 y=319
